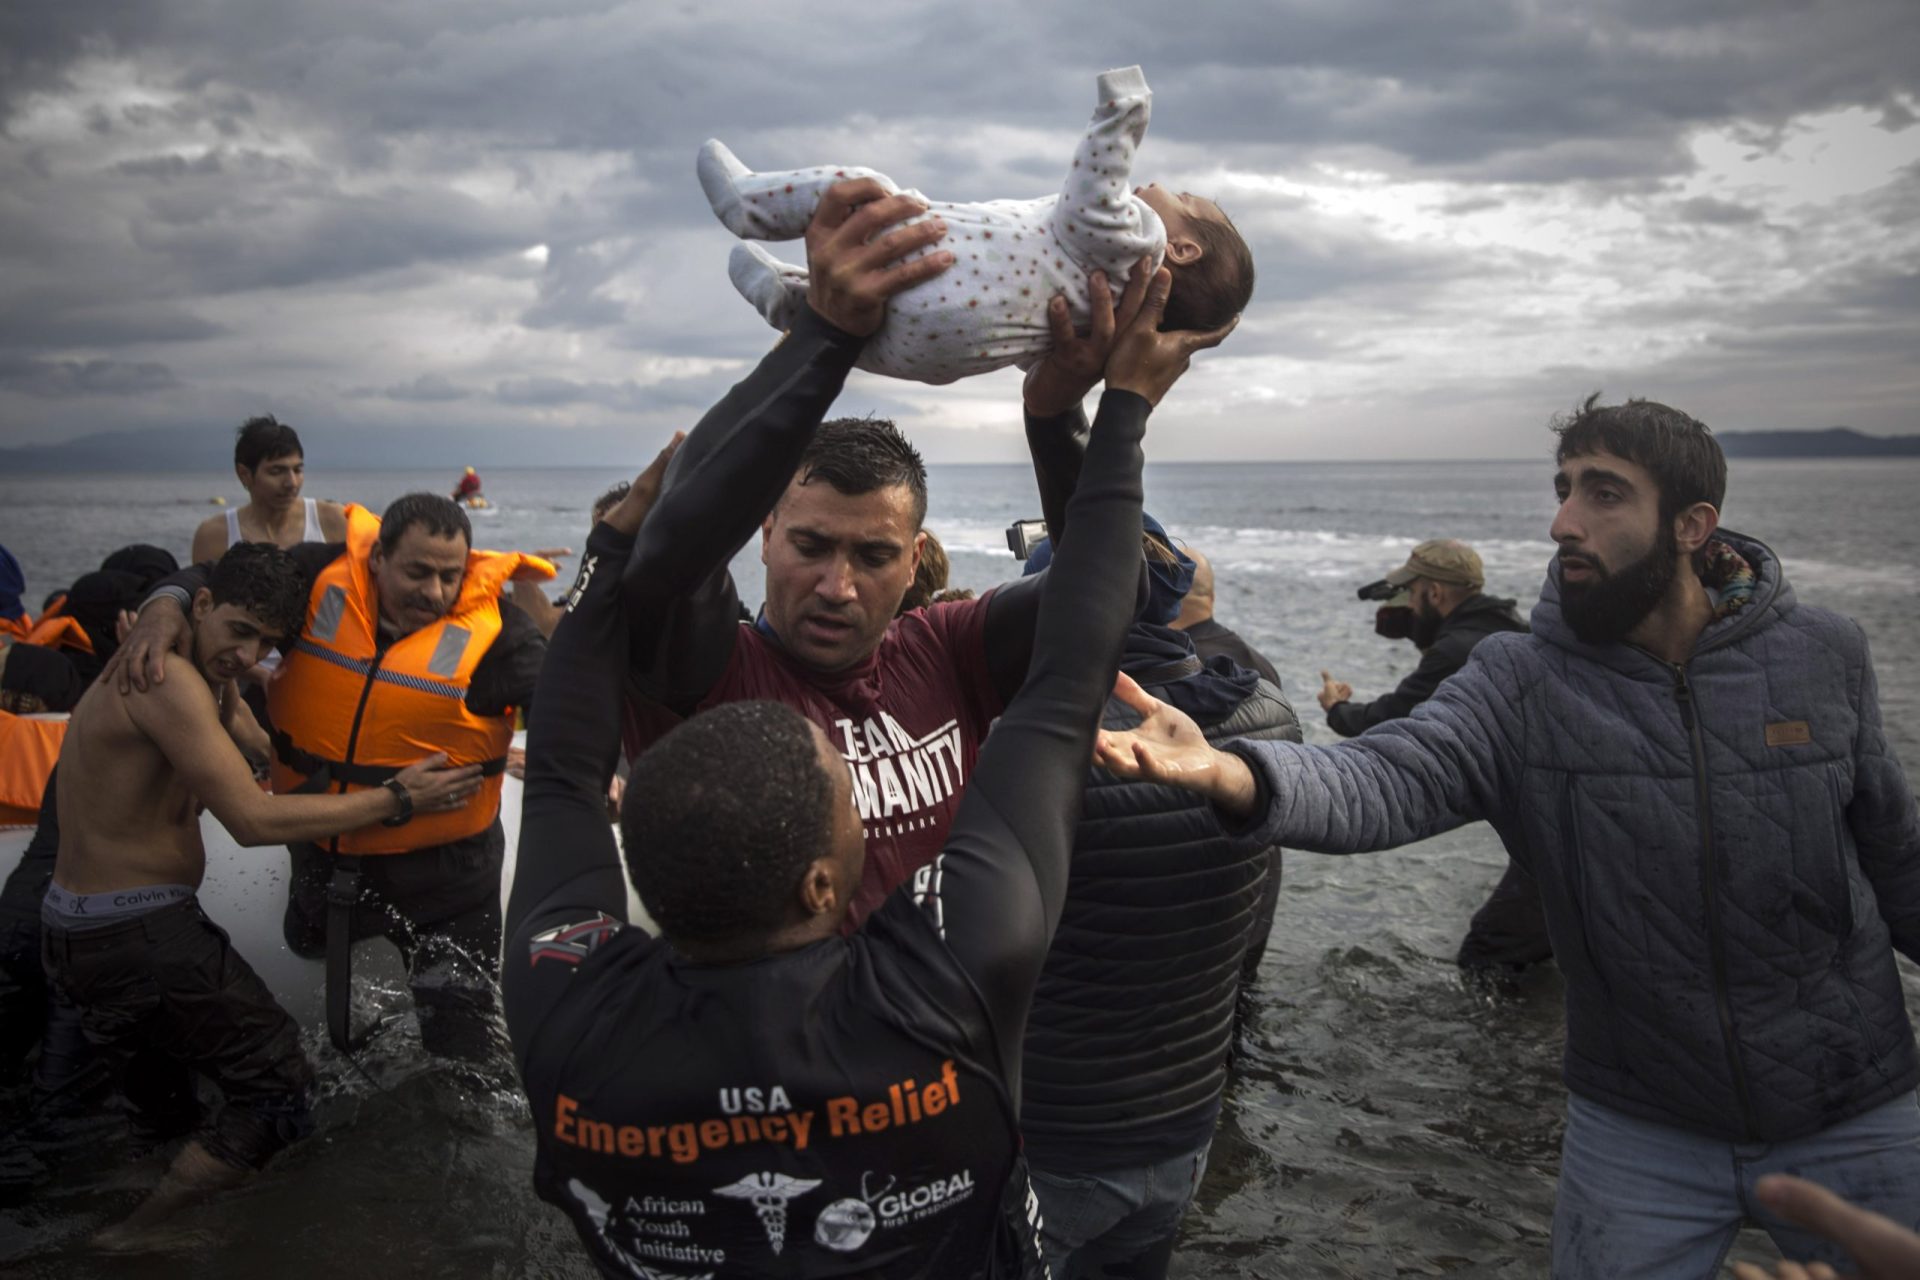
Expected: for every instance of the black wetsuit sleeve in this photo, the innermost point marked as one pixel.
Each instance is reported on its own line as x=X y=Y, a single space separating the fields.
x=999 y=884
x=568 y=875
x=506 y=676
x=1058 y=446
x=728 y=474
x=1350 y=719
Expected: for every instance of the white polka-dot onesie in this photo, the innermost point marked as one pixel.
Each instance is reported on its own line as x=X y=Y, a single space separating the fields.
x=989 y=309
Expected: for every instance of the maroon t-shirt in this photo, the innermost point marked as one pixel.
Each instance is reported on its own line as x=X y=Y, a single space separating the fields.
x=909 y=721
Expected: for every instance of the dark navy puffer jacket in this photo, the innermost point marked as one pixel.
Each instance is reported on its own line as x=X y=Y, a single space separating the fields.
x=1126 y=1047
x=1728 y=851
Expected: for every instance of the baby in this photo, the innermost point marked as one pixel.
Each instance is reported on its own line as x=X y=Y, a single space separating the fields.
x=989 y=309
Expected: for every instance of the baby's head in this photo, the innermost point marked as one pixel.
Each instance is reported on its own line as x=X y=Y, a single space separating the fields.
x=1212 y=266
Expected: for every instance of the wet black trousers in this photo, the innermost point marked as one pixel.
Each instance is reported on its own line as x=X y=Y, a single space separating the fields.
x=164 y=995
x=441 y=907
x=1510 y=928
x=29 y=1013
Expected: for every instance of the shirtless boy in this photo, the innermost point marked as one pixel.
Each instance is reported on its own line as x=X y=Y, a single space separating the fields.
x=159 y=986
x=271 y=466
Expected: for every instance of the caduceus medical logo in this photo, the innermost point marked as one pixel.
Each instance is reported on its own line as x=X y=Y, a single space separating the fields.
x=769 y=1193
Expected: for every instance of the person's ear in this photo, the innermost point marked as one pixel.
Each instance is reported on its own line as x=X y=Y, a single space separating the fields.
x=1694 y=526
x=817 y=893
x=244 y=475
x=1183 y=251
x=202 y=603
x=766 y=537
x=919 y=549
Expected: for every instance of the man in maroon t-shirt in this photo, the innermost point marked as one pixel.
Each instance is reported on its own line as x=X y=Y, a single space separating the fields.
x=839 y=509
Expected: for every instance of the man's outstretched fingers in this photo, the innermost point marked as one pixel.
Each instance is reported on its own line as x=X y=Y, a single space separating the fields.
x=1100 y=296
x=1211 y=338
x=842 y=198
x=908 y=274
x=1154 y=305
x=874 y=217
x=1135 y=293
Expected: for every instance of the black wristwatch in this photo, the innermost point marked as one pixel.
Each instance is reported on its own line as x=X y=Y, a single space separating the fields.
x=405 y=815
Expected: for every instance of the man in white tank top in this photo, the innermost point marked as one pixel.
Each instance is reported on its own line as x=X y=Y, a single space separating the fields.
x=271 y=466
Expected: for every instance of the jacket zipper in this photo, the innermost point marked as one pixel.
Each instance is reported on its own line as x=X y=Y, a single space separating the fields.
x=353 y=734
x=1716 y=945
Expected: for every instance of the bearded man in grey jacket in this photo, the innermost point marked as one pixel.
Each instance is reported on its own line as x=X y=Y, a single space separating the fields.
x=1692 y=767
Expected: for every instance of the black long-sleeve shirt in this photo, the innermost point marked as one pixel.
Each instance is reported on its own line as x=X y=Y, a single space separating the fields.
x=850 y=1105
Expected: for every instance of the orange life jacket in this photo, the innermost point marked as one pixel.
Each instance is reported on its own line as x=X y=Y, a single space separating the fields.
x=347 y=715
x=29 y=747
x=57 y=631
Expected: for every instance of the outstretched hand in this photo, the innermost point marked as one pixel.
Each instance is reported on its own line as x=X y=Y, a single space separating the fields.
x=1168 y=747
x=854 y=261
x=1881 y=1248
x=1333 y=692
x=1148 y=362
x=627 y=514
x=1075 y=362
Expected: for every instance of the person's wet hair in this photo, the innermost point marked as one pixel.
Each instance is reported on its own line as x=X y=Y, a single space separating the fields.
x=263 y=439
x=441 y=517
x=860 y=455
x=610 y=499
x=265 y=581
x=1208 y=293
x=930 y=579
x=722 y=818
x=1678 y=451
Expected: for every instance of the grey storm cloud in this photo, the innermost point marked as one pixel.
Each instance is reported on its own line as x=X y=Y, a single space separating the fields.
x=491 y=205
x=58 y=379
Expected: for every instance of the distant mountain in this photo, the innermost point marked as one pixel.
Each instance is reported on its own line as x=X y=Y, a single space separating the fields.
x=1834 y=442
x=346 y=448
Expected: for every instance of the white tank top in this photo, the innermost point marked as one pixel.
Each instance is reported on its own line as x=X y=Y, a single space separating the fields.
x=309 y=534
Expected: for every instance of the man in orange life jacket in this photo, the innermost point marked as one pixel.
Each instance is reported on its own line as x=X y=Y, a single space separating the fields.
x=409 y=648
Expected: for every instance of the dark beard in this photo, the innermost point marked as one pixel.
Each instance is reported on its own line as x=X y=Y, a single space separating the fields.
x=1604 y=610
x=1425 y=629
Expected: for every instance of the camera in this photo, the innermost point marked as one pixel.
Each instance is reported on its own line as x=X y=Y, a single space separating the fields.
x=1023 y=536
x=1380 y=590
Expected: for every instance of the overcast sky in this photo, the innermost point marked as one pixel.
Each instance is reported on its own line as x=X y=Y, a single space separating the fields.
x=1465 y=215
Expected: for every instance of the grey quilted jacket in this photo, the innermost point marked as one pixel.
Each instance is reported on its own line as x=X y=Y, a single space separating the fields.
x=1728 y=851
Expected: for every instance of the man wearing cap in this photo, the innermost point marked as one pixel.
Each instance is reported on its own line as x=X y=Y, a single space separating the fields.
x=1444 y=583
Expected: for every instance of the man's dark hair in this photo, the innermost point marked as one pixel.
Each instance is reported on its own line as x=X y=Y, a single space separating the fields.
x=860 y=455
x=1679 y=452
x=442 y=517
x=263 y=439
x=266 y=582
x=1208 y=293
x=610 y=499
x=721 y=819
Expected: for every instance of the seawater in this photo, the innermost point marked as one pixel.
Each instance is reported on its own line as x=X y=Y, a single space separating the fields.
x=1385 y=1116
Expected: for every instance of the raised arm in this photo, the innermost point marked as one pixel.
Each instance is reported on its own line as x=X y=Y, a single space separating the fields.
x=999 y=885
x=1098 y=218
x=738 y=460
x=1447 y=764
x=1057 y=442
x=568 y=875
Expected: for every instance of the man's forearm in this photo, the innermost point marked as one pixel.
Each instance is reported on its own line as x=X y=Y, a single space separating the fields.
x=1057 y=444
x=736 y=463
